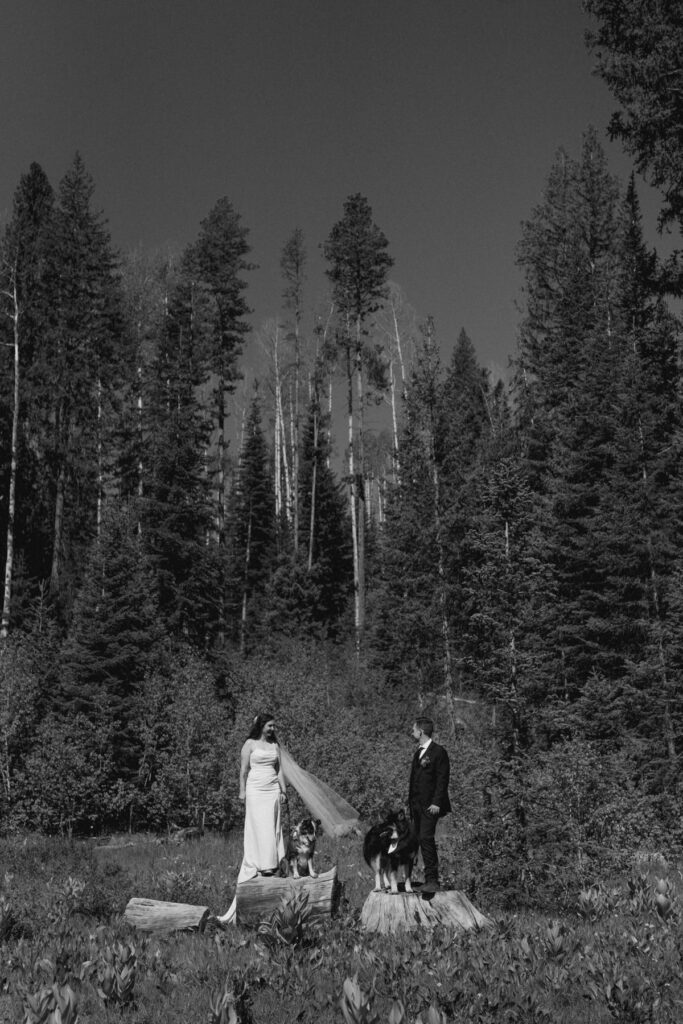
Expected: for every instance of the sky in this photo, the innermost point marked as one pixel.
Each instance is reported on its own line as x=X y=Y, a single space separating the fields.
x=445 y=114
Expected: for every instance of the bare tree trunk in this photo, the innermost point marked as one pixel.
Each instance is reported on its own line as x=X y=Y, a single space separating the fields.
x=314 y=484
x=277 y=454
x=222 y=453
x=279 y=415
x=100 y=468
x=353 y=501
x=441 y=571
x=514 y=695
x=140 y=429
x=243 y=617
x=394 y=422
x=11 y=503
x=297 y=425
x=60 y=492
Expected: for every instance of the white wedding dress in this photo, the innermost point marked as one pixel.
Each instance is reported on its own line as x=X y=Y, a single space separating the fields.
x=264 y=845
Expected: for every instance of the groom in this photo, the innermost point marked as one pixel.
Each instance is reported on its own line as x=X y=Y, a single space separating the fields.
x=428 y=797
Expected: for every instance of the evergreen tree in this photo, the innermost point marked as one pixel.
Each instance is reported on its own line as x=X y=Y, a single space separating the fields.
x=176 y=511
x=638 y=45
x=508 y=597
x=566 y=373
x=115 y=637
x=325 y=535
x=77 y=369
x=254 y=532
x=25 y=258
x=411 y=598
x=461 y=432
x=212 y=280
x=356 y=250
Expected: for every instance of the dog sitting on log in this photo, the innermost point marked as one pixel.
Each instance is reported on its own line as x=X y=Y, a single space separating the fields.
x=389 y=846
x=301 y=849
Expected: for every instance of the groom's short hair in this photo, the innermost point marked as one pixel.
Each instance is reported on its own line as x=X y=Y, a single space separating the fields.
x=425 y=725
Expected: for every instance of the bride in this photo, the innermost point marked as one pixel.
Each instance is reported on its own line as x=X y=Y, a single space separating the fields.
x=263 y=790
x=265 y=769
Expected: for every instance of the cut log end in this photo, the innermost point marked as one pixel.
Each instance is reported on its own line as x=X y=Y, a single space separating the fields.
x=160 y=916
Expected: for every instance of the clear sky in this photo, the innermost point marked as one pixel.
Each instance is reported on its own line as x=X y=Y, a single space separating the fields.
x=446 y=114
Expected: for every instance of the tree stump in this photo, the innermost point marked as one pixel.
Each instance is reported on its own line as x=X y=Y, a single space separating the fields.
x=160 y=916
x=388 y=914
x=258 y=897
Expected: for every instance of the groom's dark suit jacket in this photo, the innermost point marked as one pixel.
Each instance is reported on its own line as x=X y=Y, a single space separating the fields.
x=429 y=775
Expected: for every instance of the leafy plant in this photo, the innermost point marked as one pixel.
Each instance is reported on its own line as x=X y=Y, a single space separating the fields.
x=288 y=924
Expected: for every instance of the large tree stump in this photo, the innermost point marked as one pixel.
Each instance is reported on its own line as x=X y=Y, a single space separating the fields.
x=385 y=913
x=159 y=916
x=258 y=897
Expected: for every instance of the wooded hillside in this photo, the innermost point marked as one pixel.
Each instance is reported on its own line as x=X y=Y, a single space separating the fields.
x=504 y=553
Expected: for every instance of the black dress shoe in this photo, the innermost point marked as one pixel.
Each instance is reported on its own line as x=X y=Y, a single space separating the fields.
x=429 y=888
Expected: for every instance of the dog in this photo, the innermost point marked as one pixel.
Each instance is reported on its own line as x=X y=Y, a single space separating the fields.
x=301 y=849
x=389 y=846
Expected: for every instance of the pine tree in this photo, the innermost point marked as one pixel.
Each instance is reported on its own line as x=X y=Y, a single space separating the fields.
x=508 y=596
x=115 y=637
x=78 y=366
x=566 y=373
x=325 y=535
x=638 y=45
x=356 y=250
x=254 y=535
x=24 y=261
x=411 y=599
x=176 y=509
x=213 y=269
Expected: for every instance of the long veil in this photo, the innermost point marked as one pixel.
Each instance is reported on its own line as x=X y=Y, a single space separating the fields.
x=337 y=816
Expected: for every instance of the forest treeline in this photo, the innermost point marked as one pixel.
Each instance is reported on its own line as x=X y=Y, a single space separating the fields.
x=509 y=552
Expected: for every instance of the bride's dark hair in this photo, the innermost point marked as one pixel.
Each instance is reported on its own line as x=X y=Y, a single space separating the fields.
x=257 y=727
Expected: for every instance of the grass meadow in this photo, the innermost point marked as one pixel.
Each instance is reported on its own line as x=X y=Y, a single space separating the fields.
x=609 y=952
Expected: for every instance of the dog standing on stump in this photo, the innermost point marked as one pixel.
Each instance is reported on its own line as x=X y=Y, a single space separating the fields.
x=389 y=846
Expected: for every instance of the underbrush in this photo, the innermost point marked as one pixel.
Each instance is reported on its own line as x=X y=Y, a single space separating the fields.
x=66 y=953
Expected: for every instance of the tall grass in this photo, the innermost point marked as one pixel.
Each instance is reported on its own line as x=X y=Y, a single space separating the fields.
x=613 y=955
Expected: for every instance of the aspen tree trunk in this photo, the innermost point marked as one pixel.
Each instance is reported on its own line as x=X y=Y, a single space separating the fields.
x=441 y=571
x=278 y=432
x=297 y=424
x=353 y=500
x=394 y=422
x=58 y=520
x=361 y=509
x=292 y=489
x=399 y=350
x=277 y=457
x=222 y=452
x=314 y=484
x=285 y=458
x=329 y=414
x=394 y=417
x=514 y=696
x=11 y=502
x=100 y=470
x=141 y=467
x=243 y=617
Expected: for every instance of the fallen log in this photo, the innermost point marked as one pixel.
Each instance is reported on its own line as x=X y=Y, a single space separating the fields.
x=258 y=897
x=160 y=916
x=389 y=914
